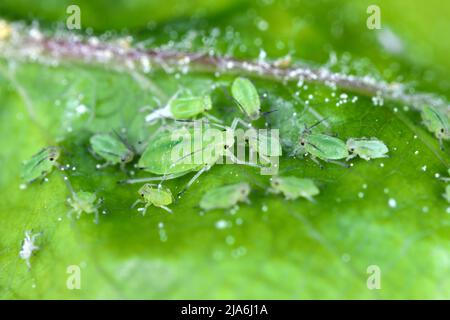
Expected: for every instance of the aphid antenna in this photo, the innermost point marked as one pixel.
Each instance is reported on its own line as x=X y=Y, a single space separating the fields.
x=222 y=87
x=266 y=113
x=124 y=141
x=315 y=124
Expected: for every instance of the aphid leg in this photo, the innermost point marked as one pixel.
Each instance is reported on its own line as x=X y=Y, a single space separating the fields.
x=96 y=216
x=237 y=161
x=445 y=179
x=96 y=157
x=102 y=166
x=70 y=213
x=210 y=117
x=351 y=156
x=316 y=162
x=309 y=198
x=441 y=143
x=194 y=178
x=136 y=203
x=237 y=121
x=146 y=109
x=165 y=208
x=144 y=209
x=342 y=164
x=159 y=178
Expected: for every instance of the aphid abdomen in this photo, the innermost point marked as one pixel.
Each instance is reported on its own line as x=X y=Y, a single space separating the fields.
x=187 y=108
x=326 y=147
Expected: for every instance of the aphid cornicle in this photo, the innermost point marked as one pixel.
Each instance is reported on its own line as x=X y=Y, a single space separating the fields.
x=83 y=201
x=154 y=195
x=225 y=197
x=40 y=165
x=28 y=247
x=112 y=148
x=244 y=93
x=366 y=148
x=437 y=122
x=293 y=187
x=181 y=108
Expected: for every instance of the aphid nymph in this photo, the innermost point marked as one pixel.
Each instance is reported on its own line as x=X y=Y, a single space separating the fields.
x=113 y=148
x=83 y=201
x=293 y=187
x=182 y=107
x=156 y=195
x=225 y=197
x=40 y=164
x=366 y=148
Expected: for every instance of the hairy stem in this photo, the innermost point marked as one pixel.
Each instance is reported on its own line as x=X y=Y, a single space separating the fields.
x=23 y=43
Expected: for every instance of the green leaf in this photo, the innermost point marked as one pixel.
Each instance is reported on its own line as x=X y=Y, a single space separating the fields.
x=388 y=212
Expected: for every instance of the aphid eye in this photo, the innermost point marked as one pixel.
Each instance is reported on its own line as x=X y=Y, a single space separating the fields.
x=302 y=143
x=52 y=159
x=142 y=195
x=225 y=146
x=442 y=130
x=352 y=149
x=276 y=183
x=122 y=159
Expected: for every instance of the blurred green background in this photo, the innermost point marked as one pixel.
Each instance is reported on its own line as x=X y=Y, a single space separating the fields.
x=271 y=249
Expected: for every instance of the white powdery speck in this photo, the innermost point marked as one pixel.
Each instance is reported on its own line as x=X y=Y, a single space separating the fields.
x=392 y=203
x=390 y=41
x=81 y=109
x=221 y=224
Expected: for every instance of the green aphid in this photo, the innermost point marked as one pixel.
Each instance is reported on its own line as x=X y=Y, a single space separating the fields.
x=181 y=108
x=83 y=201
x=154 y=195
x=366 y=148
x=159 y=157
x=446 y=195
x=437 y=122
x=225 y=197
x=112 y=148
x=244 y=93
x=41 y=164
x=322 y=146
x=293 y=187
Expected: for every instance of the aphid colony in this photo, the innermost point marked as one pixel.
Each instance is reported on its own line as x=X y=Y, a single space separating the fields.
x=157 y=157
